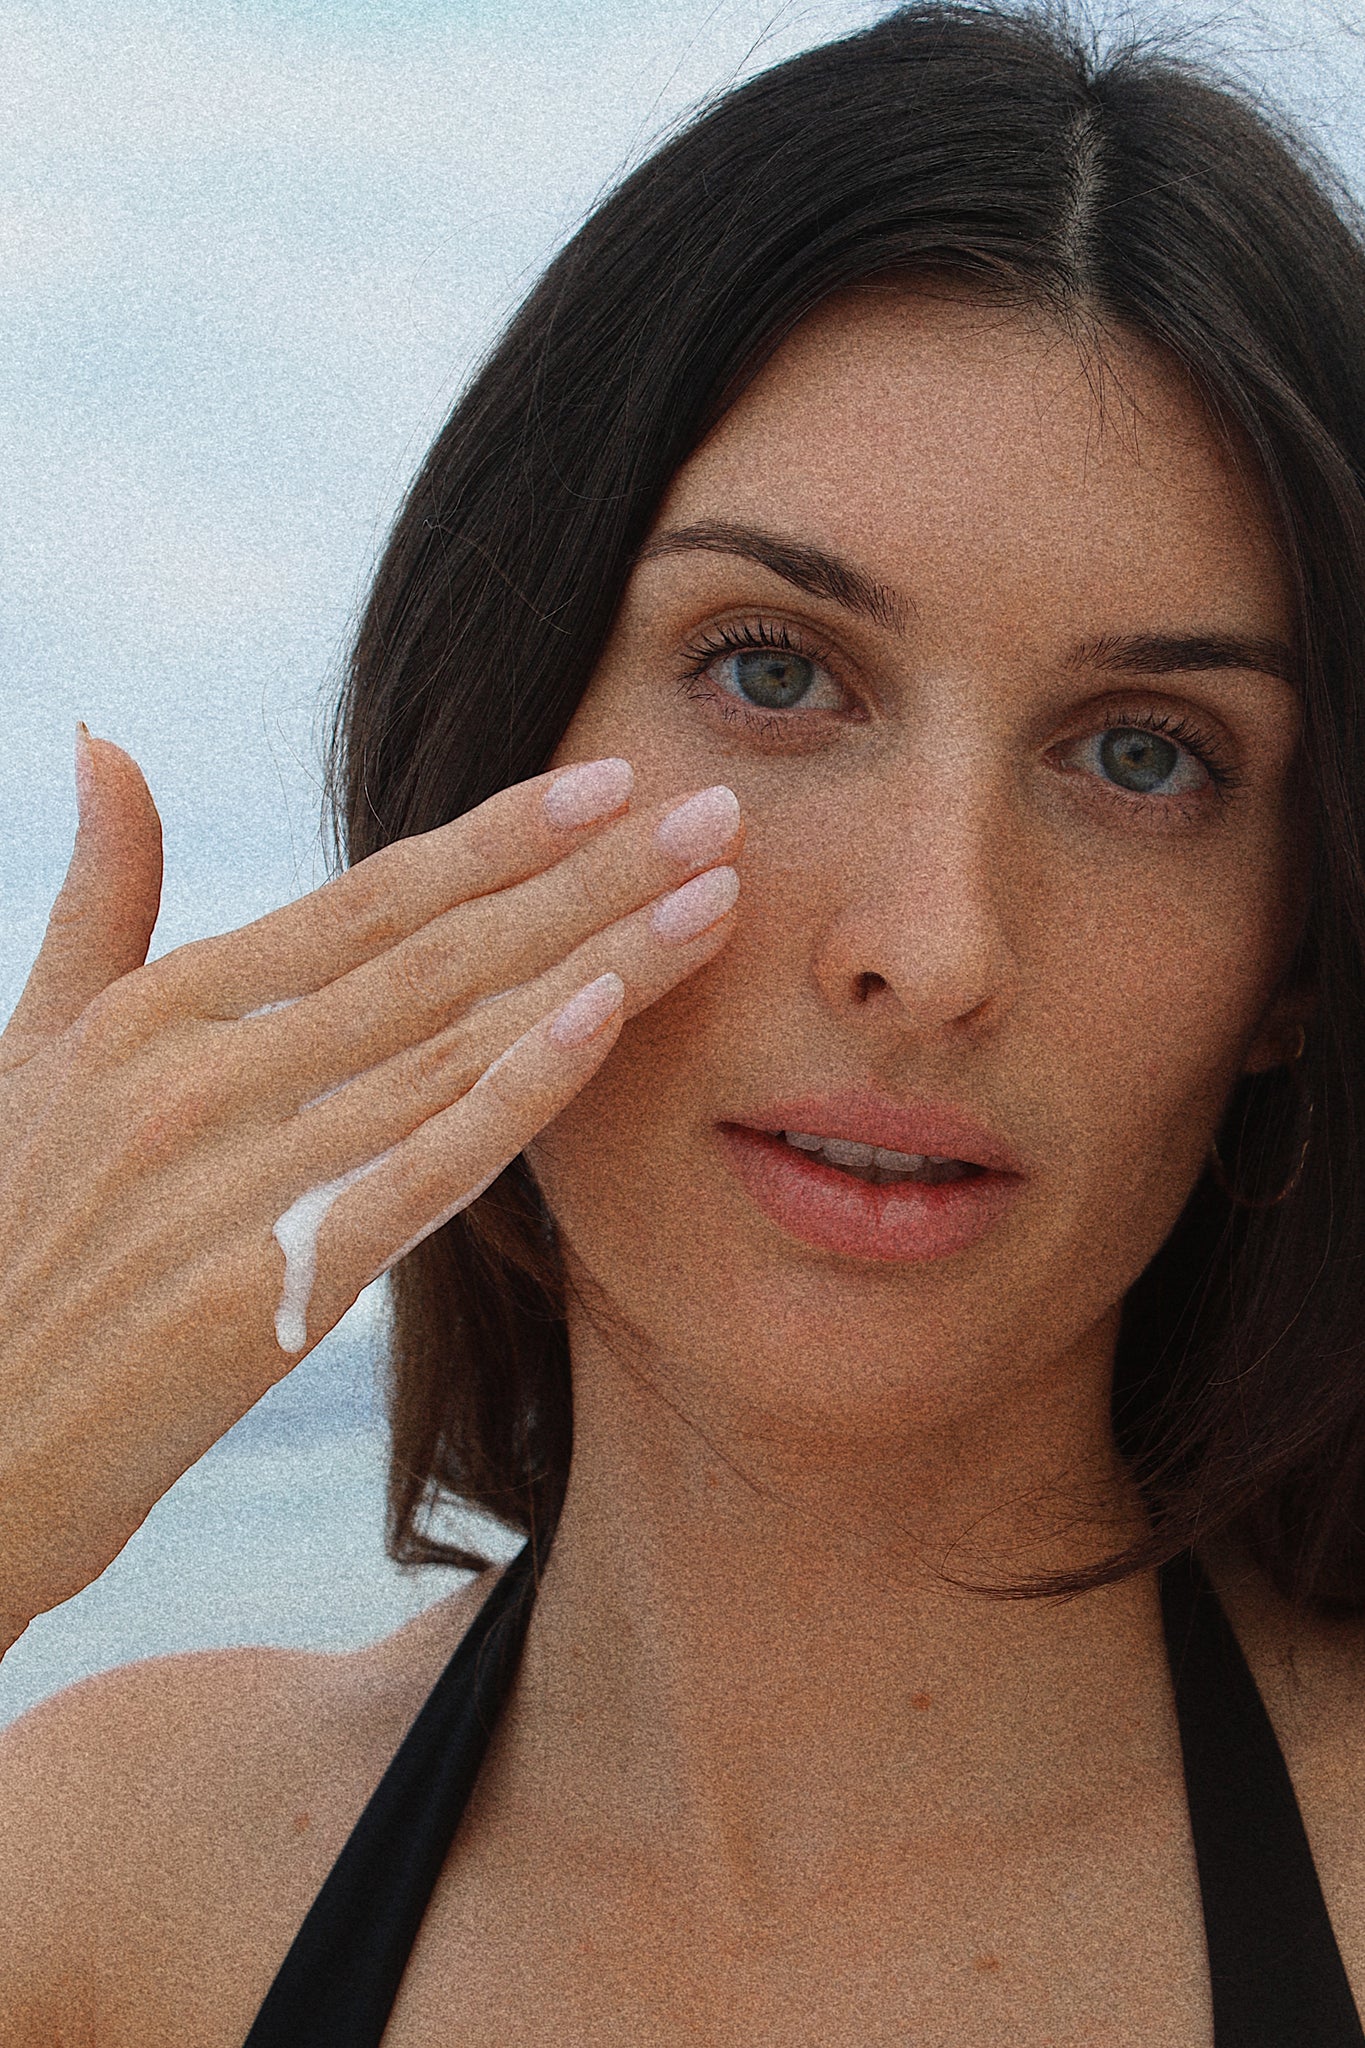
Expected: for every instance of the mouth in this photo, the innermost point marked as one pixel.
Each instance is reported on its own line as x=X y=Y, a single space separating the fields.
x=866 y=1201
x=879 y=1165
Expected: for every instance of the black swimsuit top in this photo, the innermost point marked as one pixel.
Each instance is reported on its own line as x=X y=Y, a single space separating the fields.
x=1276 y=1973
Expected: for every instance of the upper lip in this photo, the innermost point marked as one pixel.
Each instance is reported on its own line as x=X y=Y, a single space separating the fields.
x=867 y=1118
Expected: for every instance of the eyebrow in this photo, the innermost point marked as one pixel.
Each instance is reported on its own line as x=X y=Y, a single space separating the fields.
x=1160 y=654
x=810 y=568
x=824 y=575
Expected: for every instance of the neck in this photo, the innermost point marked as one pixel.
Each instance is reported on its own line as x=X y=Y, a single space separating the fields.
x=764 y=1658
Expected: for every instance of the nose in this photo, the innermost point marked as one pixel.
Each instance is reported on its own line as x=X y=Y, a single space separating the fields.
x=925 y=901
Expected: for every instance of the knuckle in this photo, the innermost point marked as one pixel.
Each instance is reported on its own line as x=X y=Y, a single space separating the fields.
x=135 y=1006
x=482 y=836
x=70 y=912
x=364 y=907
x=433 y=1065
x=152 y=1137
x=175 y=983
x=421 y=1083
x=157 y=1088
x=421 y=968
x=168 y=1118
x=113 y=1024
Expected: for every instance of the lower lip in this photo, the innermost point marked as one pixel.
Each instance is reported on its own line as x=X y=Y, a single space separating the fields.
x=903 y=1220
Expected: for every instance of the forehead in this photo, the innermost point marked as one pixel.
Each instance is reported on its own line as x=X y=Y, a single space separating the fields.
x=946 y=441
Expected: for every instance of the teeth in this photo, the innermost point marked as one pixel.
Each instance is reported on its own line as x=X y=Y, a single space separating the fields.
x=876 y=1162
x=844 y=1152
x=864 y=1159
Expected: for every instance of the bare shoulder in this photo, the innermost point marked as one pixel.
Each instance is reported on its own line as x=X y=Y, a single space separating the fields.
x=195 y=1714
x=172 y=1819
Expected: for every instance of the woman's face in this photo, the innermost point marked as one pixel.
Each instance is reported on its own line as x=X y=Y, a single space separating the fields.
x=973 y=874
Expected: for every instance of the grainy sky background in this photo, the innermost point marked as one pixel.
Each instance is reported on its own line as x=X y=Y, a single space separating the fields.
x=250 y=250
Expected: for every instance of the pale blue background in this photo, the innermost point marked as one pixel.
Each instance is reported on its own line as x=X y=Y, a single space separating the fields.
x=249 y=252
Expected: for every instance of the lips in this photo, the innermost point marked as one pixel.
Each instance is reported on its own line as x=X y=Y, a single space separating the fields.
x=906 y=1219
x=870 y=1119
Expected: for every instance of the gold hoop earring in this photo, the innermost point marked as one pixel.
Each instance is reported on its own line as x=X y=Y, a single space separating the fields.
x=1219 y=1171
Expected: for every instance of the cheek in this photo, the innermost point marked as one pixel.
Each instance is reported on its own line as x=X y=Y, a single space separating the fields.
x=634 y=1124
x=1131 y=981
x=623 y=712
x=621 y=1134
x=1154 y=990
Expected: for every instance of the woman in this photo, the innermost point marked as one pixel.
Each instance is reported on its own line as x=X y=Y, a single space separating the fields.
x=936 y=474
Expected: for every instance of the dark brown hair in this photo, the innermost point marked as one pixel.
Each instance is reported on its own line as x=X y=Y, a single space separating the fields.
x=1132 y=191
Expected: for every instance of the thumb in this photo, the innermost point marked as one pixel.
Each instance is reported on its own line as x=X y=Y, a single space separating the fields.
x=101 y=923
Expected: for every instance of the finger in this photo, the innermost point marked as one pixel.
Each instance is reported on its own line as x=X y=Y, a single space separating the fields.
x=652 y=950
x=370 y=1115
x=476 y=951
x=357 y=1226
x=102 y=920
x=379 y=902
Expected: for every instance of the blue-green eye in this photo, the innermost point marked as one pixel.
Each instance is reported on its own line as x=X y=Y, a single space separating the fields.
x=761 y=668
x=1141 y=760
x=767 y=677
x=1141 y=754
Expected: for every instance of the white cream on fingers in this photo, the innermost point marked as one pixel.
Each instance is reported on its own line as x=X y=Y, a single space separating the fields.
x=296 y=1234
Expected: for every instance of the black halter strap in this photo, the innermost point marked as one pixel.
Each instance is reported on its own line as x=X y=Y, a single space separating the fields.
x=337 y=1985
x=1275 y=1969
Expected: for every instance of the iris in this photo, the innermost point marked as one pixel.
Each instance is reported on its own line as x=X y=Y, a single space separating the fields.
x=771 y=678
x=1144 y=755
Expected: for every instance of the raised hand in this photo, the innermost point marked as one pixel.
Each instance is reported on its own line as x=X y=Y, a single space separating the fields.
x=205 y=1159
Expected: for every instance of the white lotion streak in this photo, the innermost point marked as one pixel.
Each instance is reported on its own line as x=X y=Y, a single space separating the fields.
x=266 y=1009
x=296 y=1234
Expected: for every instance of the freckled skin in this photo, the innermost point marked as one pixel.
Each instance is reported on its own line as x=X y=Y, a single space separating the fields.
x=769 y=1775
x=774 y=1447
x=925 y=898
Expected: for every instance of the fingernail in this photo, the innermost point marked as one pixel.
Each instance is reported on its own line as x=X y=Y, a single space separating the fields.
x=588 y=1011
x=85 y=770
x=701 y=828
x=588 y=790
x=696 y=905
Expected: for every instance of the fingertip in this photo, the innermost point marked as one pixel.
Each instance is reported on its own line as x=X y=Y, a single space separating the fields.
x=85 y=772
x=587 y=1012
x=588 y=791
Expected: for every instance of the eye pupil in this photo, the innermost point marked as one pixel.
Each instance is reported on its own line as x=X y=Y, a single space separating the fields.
x=772 y=679
x=1145 y=755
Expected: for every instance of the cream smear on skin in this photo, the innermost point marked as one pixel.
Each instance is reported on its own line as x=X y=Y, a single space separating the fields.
x=586 y=791
x=296 y=1232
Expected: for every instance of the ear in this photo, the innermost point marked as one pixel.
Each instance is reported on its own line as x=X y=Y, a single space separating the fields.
x=1293 y=1004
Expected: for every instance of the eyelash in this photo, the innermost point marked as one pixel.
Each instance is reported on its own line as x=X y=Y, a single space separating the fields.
x=731 y=639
